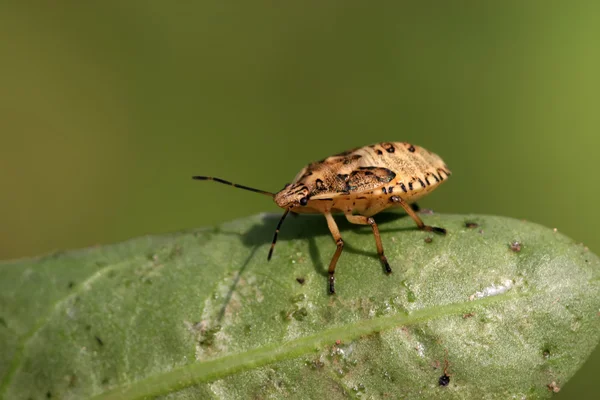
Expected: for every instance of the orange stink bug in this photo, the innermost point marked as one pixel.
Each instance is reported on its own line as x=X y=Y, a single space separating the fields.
x=359 y=183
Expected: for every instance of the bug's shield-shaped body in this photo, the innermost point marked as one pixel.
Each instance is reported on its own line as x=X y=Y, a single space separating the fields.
x=363 y=180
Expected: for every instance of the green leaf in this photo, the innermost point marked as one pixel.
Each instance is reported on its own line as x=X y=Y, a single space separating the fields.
x=203 y=314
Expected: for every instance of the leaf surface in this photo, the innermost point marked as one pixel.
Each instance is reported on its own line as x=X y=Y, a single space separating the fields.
x=203 y=315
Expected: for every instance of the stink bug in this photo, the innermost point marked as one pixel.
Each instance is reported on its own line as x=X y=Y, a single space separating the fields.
x=359 y=183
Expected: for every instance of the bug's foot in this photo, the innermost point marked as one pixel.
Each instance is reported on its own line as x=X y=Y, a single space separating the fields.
x=441 y=231
x=386 y=265
x=434 y=229
x=331 y=284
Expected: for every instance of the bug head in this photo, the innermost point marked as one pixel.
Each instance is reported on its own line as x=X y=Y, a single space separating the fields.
x=292 y=195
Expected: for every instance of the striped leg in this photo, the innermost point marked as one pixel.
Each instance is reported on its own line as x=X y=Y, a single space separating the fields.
x=335 y=232
x=362 y=220
x=415 y=217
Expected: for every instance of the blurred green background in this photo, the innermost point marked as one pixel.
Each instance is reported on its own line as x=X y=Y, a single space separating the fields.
x=108 y=108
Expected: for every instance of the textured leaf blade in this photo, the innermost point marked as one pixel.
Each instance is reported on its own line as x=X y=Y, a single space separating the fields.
x=203 y=314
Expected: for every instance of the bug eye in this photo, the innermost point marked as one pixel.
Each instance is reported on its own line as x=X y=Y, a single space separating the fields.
x=304 y=201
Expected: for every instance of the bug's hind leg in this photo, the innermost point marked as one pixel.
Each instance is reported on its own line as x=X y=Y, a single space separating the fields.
x=335 y=232
x=415 y=217
x=362 y=220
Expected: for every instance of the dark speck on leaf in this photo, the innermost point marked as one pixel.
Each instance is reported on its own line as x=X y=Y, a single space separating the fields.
x=315 y=364
x=515 y=246
x=100 y=342
x=471 y=225
x=428 y=239
x=546 y=353
x=300 y=280
x=444 y=380
x=71 y=284
x=209 y=336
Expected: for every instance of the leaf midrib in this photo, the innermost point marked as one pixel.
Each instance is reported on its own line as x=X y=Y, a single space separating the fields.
x=198 y=372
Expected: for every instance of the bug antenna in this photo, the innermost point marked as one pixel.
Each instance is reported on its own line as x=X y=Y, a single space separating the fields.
x=287 y=210
x=212 y=178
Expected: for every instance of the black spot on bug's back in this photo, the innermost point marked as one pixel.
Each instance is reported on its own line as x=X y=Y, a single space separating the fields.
x=368 y=173
x=369 y=168
x=411 y=148
x=319 y=184
x=440 y=170
x=410 y=186
x=379 y=152
x=403 y=187
x=391 y=149
x=421 y=182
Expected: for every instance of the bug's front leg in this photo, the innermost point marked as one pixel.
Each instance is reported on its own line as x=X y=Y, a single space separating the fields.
x=335 y=232
x=362 y=220
x=415 y=217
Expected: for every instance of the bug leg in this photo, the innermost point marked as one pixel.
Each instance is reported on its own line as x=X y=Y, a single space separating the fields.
x=335 y=232
x=415 y=217
x=362 y=220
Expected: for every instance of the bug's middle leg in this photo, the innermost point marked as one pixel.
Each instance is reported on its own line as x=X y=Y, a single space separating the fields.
x=335 y=232
x=362 y=220
x=415 y=217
